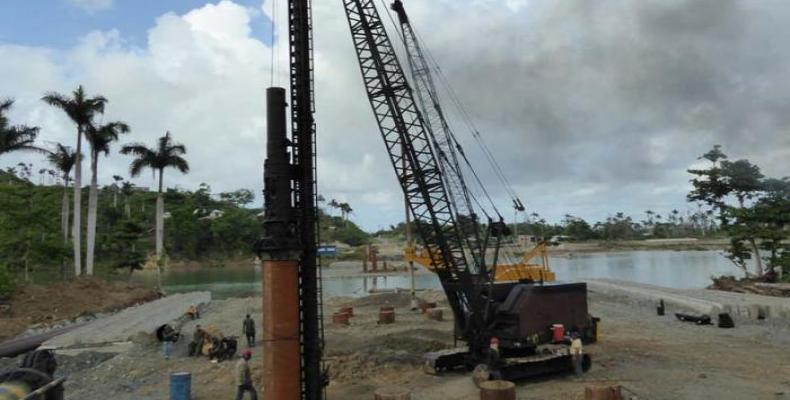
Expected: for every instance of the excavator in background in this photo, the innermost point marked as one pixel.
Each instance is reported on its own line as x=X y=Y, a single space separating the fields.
x=463 y=252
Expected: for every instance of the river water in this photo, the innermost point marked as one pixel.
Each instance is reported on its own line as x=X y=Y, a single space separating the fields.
x=676 y=269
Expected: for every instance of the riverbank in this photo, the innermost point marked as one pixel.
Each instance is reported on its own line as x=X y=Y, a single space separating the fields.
x=657 y=357
x=393 y=250
x=37 y=307
x=680 y=244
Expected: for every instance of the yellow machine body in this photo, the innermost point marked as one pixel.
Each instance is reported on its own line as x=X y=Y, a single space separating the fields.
x=14 y=390
x=524 y=270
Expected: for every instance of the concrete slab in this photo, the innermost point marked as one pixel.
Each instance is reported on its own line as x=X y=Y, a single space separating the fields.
x=122 y=326
x=704 y=301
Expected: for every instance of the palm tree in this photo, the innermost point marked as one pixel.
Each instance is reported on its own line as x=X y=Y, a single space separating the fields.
x=118 y=179
x=15 y=138
x=345 y=210
x=166 y=154
x=63 y=158
x=100 y=139
x=80 y=110
x=127 y=189
x=333 y=204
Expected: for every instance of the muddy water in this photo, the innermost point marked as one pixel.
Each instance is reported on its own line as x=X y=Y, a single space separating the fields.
x=677 y=269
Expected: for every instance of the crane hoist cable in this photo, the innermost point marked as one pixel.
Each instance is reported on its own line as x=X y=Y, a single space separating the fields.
x=467 y=119
x=423 y=86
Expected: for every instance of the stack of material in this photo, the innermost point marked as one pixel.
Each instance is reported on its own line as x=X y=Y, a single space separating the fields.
x=497 y=390
x=603 y=393
x=436 y=314
x=386 y=315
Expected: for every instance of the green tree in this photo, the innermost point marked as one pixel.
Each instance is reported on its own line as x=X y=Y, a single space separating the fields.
x=63 y=159
x=771 y=214
x=15 y=137
x=166 y=154
x=80 y=109
x=116 y=189
x=127 y=240
x=238 y=198
x=709 y=185
x=345 y=210
x=761 y=224
x=743 y=180
x=99 y=138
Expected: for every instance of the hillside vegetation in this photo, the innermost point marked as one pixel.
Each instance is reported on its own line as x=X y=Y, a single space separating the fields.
x=200 y=226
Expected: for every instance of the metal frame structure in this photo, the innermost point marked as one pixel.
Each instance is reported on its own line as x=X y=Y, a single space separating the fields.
x=444 y=143
x=289 y=248
x=303 y=137
x=429 y=174
x=409 y=145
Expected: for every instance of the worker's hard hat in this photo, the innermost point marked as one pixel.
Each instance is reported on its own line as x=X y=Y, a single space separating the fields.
x=246 y=353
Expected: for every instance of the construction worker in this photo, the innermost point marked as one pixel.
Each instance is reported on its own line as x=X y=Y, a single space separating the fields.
x=244 y=377
x=576 y=353
x=248 y=327
x=193 y=312
x=198 y=338
x=169 y=335
x=494 y=360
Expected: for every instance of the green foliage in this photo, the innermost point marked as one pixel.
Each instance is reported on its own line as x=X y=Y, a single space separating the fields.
x=127 y=241
x=336 y=229
x=7 y=284
x=30 y=227
x=709 y=186
x=31 y=236
x=15 y=137
x=239 y=198
x=759 y=217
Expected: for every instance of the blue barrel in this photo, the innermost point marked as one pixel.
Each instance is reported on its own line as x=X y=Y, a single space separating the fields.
x=180 y=386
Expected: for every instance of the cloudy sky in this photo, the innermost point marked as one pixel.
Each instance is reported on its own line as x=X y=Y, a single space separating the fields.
x=591 y=107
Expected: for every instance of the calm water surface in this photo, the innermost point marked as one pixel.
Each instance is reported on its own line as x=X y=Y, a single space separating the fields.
x=677 y=269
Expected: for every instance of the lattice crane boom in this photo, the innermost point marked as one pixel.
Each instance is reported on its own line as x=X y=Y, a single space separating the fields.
x=409 y=145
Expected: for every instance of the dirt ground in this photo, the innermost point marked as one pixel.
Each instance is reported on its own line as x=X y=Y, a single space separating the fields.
x=655 y=357
x=41 y=306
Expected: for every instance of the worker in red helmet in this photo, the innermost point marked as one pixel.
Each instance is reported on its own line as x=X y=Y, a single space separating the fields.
x=244 y=377
x=494 y=359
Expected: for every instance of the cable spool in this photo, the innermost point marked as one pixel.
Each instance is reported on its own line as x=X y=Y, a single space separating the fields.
x=17 y=384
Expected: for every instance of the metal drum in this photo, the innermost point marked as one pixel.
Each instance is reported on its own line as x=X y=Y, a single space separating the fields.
x=180 y=386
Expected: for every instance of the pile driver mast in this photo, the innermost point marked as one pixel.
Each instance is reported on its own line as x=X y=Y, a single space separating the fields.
x=292 y=310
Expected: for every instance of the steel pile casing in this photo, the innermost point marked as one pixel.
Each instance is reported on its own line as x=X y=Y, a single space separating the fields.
x=280 y=270
x=281 y=358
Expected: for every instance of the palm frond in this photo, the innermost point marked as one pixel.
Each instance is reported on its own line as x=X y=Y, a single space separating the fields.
x=16 y=138
x=180 y=164
x=137 y=149
x=137 y=166
x=178 y=149
x=55 y=99
x=79 y=108
x=5 y=105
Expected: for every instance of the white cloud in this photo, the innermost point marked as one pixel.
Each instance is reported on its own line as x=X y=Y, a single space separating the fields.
x=590 y=107
x=92 y=5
